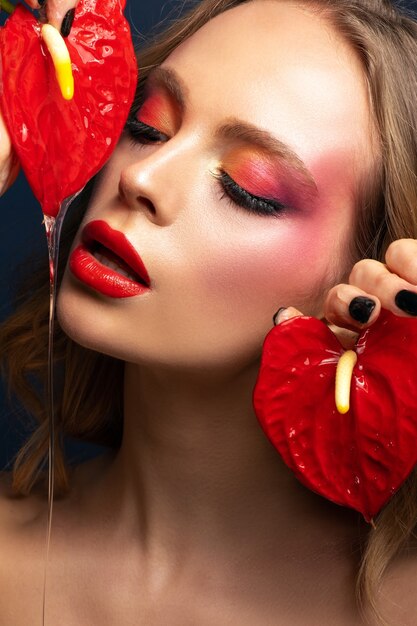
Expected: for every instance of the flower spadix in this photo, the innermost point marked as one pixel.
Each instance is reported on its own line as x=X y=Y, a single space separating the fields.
x=358 y=459
x=344 y=373
x=61 y=59
x=63 y=141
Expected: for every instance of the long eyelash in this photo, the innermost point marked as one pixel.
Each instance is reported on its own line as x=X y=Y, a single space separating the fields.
x=232 y=192
x=141 y=133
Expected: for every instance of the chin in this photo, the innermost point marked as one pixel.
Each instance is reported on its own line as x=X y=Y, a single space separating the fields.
x=86 y=318
x=118 y=329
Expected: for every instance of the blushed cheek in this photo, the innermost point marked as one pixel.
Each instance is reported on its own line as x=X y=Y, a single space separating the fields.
x=286 y=261
x=270 y=271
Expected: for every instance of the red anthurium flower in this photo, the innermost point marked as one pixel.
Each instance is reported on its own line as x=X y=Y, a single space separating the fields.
x=61 y=144
x=358 y=459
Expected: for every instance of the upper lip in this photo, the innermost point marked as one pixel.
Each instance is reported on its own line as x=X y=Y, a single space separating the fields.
x=99 y=231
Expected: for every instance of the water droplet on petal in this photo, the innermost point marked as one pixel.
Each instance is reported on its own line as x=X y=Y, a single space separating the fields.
x=24 y=132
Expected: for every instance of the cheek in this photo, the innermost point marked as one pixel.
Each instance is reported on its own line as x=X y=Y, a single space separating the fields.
x=279 y=266
x=262 y=264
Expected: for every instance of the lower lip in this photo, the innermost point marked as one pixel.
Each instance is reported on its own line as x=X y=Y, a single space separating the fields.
x=89 y=271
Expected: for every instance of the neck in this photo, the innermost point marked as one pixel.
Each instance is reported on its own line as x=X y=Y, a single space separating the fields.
x=195 y=464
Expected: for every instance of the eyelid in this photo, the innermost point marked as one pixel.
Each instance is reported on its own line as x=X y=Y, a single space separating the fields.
x=236 y=195
x=137 y=129
x=160 y=101
x=257 y=204
x=165 y=79
x=221 y=175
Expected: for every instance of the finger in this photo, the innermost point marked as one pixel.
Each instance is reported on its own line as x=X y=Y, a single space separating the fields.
x=346 y=337
x=395 y=294
x=61 y=13
x=9 y=165
x=401 y=259
x=351 y=307
x=9 y=175
x=285 y=313
x=34 y=4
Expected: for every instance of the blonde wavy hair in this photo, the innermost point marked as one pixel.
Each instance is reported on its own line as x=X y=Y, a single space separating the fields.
x=89 y=405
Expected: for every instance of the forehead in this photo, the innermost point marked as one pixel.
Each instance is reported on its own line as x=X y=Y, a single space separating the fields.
x=282 y=68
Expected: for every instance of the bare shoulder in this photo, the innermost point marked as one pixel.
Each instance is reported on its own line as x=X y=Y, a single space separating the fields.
x=21 y=552
x=15 y=510
x=21 y=525
x=20 y=514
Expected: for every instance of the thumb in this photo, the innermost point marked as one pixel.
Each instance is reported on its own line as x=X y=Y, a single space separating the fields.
x=285 y=313
x=346 y=336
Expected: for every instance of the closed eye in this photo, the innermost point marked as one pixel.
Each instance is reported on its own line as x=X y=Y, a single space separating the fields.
x=239 y=196
x=141 y=133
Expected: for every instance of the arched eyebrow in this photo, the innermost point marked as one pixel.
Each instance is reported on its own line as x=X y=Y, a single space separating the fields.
x=239 y=130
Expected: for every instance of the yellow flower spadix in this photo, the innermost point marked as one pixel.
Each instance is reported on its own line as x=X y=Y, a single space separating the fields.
x=61 y=59
x=344 y=379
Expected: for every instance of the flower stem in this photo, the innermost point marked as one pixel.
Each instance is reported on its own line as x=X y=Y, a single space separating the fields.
x=7 y=6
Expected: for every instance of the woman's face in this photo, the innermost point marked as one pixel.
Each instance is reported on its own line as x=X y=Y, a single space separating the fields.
x=220 y=261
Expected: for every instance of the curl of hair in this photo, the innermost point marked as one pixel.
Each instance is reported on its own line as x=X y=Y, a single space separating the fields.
x=384 y=38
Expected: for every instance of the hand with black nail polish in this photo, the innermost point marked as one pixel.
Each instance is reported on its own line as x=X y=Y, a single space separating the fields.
x=59 y=13
x=407 y=301
x=391 y=281
x=67 y=22
x=361 y=308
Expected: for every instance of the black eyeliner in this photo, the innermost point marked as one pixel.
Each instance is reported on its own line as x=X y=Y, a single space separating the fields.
x=141 y=133
x=256 y=204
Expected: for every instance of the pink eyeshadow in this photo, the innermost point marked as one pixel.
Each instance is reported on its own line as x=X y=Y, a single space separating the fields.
x=257 y=177
x=262 y=177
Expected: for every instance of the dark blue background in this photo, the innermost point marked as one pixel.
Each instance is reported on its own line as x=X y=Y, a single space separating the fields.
x=21 y=230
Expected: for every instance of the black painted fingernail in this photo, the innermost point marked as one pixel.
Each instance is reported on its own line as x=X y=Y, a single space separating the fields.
x=275 y=318
x=67 y=23
x=407 y=301
x=41 y=2
x=361 y=308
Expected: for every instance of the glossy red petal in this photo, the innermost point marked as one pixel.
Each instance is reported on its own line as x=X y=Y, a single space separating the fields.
x=358 y=459
x=62 y=144
x=385 y=391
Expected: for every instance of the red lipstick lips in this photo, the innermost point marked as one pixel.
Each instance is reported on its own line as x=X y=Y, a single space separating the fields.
x=107 y=262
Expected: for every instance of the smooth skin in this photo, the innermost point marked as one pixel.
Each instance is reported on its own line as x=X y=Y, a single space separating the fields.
x=9 y=165
x=195 y=520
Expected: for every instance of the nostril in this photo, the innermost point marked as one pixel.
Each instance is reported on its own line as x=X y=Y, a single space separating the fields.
x=122 y=194
x=128 y=195
x=147 y=204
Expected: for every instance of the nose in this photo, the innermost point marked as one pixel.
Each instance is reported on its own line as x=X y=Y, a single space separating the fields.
x=156 y=183
x=130 y=197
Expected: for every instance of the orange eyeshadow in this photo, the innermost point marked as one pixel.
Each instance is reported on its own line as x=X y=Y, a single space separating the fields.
x=155 y=112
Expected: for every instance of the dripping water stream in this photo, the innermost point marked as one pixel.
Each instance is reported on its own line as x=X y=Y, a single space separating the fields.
x=53 y=227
